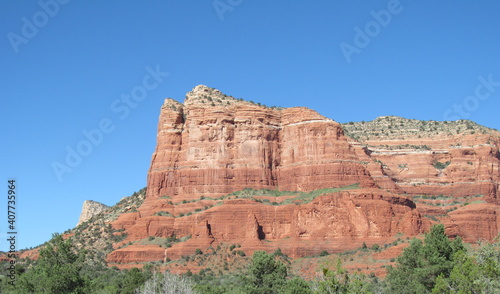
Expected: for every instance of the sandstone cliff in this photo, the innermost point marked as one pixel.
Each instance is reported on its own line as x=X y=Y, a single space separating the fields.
x=313 y=187
x=458 y=159
x=214 y=144
x=334 y=222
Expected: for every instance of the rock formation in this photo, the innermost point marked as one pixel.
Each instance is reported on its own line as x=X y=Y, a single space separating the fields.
x=430 y=158
x=334 y=222
x=214 y=144
x=89 y=209
x=368 y=186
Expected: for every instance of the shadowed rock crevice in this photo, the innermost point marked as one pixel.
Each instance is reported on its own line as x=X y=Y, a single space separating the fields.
x=209 y=229
x=260 y=232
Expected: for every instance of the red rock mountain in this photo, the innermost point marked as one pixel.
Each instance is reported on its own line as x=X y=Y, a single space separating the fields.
x=375 y=186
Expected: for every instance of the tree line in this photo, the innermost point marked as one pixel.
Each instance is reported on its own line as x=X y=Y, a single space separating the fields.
x=433 y=265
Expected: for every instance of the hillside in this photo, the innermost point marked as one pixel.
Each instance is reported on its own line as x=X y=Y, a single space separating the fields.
x=398 y=128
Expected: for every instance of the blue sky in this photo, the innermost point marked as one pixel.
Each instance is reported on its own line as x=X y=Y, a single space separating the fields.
x=66 y=66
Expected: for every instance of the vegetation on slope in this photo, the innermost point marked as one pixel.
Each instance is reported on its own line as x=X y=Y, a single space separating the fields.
x=75 y=264
x=393 y=127
x=434 y=265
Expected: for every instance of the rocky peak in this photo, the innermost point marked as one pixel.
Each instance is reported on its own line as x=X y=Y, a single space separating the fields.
x=202 y=90
x=172 y=104
x=206 y=96
x=89 y=209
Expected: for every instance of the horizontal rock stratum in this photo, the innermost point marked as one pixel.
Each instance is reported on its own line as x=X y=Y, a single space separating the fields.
x=213 y=145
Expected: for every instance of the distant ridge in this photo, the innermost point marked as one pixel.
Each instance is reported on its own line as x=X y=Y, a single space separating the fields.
x=398 y=128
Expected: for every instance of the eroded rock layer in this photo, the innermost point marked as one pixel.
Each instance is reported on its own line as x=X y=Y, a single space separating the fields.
x=334 y=222
x=458 y=159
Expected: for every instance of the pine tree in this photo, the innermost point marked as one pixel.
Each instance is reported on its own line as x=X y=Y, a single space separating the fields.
x=419 y=266
x=57 y=270
x=265 y=275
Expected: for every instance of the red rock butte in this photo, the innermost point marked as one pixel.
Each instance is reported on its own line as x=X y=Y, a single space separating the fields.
x=213 y=145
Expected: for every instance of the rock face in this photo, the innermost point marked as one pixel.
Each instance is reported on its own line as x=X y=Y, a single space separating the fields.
x=334 y=222
x=458 y=159
x=475 y=222
x=213 y=145
x=89 y=209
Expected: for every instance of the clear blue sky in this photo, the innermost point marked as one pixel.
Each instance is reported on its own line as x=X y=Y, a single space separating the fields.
x=75 y=60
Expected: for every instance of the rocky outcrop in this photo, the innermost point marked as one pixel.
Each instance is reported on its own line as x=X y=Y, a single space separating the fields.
x=89 y=209
x=137 y=253
x=474 y=222
x=334 y=222
x=457 y=159
x=213 y=145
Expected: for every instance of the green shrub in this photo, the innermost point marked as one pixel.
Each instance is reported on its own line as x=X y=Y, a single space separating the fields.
x=324 y=253
x=441 y=165
x=278 y=252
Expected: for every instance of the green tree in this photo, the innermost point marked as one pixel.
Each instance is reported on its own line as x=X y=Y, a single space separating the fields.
x=57 y=270
x=420 y=265
x=296 y=285
x=477 y=272
x=334 y=281
x=438 y=253
x=209 y=289
x=407 y=277
x=265 y=274
x=131 y=280
x=462 y=277
x=488 y=260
